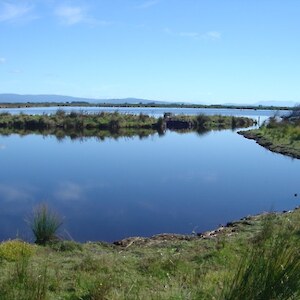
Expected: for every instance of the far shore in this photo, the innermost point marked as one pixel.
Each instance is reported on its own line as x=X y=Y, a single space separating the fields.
x=9 y=105
x=103 y=124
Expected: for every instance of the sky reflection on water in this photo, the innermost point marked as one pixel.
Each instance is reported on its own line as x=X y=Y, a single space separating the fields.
x=127 y=187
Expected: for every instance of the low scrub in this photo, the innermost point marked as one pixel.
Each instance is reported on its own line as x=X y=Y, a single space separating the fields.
x=13 y=250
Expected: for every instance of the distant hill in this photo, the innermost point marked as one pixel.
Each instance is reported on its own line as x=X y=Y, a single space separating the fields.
x=277 y=103
x=15 y=98
x=266 y=103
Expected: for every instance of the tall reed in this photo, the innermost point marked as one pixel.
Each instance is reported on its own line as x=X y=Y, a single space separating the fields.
x=44 y=224
x=271 y=269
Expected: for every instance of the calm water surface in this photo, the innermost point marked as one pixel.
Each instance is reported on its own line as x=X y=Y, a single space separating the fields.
x=118 y=188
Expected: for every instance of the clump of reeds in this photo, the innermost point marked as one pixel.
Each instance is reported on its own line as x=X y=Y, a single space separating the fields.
x=271 y=269
x=44 y=224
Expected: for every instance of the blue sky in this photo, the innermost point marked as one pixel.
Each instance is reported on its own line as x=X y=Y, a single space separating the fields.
x=212 y=51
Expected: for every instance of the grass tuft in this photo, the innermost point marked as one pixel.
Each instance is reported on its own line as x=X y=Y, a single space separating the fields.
x=44 y=224
x=271 y=269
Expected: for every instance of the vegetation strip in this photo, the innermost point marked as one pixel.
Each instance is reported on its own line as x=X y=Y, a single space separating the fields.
x=83 y=124
x=285 y=149
x=138 y=105
x=280 y=136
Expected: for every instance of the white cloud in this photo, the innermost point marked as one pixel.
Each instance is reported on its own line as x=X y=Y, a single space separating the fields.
x=72 y=191
x=2 y=60
x=189 y=34
x=72 y=15
x=167 y=30
x=10 y=12
x=14 y=192
x=210 y=35
x=69 y=191
x=148 y=4
x=213 y=35
x=15 y=71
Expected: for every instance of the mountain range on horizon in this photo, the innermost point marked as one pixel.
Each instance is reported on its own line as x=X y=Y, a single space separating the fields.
x=17 y=98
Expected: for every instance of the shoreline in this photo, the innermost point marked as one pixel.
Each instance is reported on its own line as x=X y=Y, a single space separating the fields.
x=227 y=230
x=164 y=266
x=262 y=141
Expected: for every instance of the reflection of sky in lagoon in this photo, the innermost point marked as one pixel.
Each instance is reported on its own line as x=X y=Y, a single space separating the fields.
x=117 y=188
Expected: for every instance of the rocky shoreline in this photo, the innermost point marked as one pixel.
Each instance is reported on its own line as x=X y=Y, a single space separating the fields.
x=231 y=228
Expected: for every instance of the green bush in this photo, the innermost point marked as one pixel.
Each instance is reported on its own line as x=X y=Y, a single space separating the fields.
x=13 y=250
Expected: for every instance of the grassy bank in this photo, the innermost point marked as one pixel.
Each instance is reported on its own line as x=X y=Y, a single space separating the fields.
x=100 y=125
x=278 y=136
x=254 y=258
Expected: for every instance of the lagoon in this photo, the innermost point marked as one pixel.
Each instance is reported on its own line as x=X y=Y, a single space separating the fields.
x=112 y=189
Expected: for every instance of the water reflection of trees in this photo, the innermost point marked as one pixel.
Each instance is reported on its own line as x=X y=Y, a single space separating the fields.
x=82 y=135
x=102 y=135
x=133 y=126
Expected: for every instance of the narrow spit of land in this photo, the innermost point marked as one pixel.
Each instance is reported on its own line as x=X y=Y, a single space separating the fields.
x=253 y=258
x=113 y=124
x=280 y=136
x=137 y=105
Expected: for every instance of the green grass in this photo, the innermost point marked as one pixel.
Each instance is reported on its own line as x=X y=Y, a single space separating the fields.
x=252 y=259
x=271 y=268
x=76 y=121
x=282 y=137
